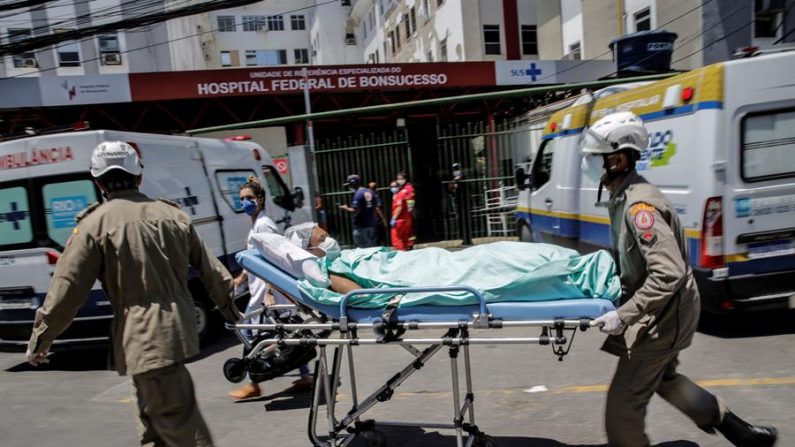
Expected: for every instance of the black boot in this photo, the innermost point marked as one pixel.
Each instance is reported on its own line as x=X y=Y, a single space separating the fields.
x=743 y=434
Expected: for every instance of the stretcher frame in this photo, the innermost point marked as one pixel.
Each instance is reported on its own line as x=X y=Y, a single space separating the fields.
x=457 y=339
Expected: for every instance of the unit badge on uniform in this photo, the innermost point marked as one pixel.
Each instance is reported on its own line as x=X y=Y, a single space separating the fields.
x=643 y=220
x=648 y=238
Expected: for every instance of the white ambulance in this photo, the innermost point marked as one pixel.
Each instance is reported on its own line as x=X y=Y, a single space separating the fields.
x=722 y=149
x=45 y=182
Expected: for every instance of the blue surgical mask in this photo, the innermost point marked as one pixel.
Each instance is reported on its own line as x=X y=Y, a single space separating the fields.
x=249 y=207
x=394 y=190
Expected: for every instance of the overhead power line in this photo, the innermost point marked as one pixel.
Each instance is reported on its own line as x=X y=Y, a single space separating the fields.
x=168 y=41
x=69 y=21
x=34 y=43
x=8 y=6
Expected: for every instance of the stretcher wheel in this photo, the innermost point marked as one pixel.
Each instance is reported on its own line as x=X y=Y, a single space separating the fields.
x=235 y=370
x=482 y=440
x=373 y=438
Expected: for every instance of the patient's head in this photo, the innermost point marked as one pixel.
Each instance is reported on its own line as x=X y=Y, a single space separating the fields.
x=313 y=239
x=316 y=238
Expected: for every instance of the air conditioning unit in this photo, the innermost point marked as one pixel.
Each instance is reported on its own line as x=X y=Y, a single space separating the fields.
x=29 y=62
x=350 y=39
x=111 y=59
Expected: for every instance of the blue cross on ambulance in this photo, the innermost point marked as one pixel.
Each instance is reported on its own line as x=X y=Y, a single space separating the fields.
x=721 y=148
x=45 y=184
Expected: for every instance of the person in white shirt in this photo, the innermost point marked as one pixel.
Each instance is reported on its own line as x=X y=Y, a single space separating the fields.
x=252 y=198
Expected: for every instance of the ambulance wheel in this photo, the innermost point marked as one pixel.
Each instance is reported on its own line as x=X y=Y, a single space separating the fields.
x=234 y=370
x=525 y=234
x=482 y=440
x=373 y=438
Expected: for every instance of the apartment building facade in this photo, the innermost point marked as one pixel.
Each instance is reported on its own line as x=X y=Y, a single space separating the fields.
x=276 y=32
x=318 y=32
x=178 y=44
x=708 y=30
x=445 y=30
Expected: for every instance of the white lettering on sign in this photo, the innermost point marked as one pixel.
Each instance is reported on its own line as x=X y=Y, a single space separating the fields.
x=401 y=80
x=36 y=157
x=230 y=88
x=322 y=79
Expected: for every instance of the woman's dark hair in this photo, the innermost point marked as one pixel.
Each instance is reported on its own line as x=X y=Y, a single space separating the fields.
x=403 y=174
x=255 y=186
x=116 y=179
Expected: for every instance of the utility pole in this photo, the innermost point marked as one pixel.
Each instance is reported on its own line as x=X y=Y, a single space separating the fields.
x=314 y=184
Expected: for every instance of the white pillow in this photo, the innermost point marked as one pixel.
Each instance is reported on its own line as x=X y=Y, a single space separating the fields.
x=289 y=257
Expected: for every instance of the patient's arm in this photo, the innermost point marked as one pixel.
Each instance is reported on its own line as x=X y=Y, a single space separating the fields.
x=341 y=284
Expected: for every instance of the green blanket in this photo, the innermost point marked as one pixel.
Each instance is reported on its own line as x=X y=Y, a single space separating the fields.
x=503 y=271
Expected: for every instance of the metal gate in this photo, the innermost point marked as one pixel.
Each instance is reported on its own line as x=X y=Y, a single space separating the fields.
x=376 y=157
x=481 y=201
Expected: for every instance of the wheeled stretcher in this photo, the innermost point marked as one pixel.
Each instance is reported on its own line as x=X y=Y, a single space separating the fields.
x=343 y=327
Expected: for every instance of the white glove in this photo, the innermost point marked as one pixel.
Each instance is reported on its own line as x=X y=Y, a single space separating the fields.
x=37 y=359
x=610 y=323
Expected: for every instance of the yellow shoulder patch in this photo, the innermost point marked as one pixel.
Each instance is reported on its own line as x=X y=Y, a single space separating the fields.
x=85 y=213
x=169 y=202
x=638 y=207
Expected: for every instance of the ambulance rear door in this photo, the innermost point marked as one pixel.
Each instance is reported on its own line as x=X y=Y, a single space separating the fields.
x=759 y=201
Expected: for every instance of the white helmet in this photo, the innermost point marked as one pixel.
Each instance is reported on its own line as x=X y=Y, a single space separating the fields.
x=115 y=155
x=614 y=132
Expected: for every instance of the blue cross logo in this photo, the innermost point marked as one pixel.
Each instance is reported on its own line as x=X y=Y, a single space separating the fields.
x=14 y=216
x=190 y=201
x=533 y=71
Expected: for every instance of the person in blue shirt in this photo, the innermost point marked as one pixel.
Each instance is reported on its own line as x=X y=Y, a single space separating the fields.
x=366 y=211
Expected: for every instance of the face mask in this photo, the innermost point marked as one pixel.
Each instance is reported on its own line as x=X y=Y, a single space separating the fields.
x=400 y=181
x=456 y=173
x=331 y=248
x=394 y=190
x=249 y=207
x=593 y=167
x=297 y=240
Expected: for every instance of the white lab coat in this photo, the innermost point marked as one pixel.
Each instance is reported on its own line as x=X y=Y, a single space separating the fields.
x=257 y=287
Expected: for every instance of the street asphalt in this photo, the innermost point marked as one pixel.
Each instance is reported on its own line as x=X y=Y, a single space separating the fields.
x=524 y=396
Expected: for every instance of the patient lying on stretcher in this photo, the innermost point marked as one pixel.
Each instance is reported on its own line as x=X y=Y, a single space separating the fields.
x=503 y=271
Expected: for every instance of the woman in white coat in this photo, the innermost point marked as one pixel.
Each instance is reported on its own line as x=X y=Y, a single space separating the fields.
x=252 y=198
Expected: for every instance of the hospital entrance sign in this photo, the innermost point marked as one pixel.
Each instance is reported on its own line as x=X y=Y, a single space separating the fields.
x=325 y=78
x=258 y=81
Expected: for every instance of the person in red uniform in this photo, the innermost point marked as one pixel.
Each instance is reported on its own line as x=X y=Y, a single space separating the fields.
x=402 y=221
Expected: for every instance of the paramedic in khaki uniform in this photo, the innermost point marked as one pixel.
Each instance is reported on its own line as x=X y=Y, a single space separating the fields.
x=140 y=250
x=660 y=305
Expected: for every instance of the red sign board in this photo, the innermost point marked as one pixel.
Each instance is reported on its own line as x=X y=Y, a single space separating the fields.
x=281 y=165
x=325 y=78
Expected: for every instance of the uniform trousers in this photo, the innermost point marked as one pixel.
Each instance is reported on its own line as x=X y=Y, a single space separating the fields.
x=636 y=379
x=166 y=409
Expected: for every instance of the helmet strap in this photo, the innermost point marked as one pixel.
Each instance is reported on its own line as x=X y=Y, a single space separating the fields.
x=599 y=194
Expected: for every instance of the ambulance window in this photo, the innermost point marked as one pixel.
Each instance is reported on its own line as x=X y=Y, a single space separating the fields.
x=16 y=226
x=542 y=169
x=768 y=145
x=277 y=188
x=229 y=183
x=62 y=203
